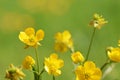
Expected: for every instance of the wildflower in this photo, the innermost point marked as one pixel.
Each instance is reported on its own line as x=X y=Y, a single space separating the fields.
x=98 y=21
x=114 y=54
x=77 y=57
x=14 y=73
x=63 y=41
x=30 y=38
x=28 y=62
x=88 y=71
x=53 y=64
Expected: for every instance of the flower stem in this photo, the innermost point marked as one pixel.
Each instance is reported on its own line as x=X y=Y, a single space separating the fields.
x=37 y=60
x=91 y=41
x=53 y=77
x=37 y=76
x=105 y=64
x=42 y=71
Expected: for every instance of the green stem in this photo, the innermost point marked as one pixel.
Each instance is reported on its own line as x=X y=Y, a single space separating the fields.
x=37 y=75
x=91 y=41
x=105 y=64
x=42 y=71
x=53 y=77
x=37 y=60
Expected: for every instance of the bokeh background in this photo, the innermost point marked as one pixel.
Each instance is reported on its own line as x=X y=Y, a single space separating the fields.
x=56 y=16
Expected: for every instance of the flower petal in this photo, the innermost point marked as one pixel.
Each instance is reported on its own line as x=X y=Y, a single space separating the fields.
x=97 y=74
x=53 y=64
x=58 y=37
x=39 y=35
x=114 y=54
x=23 y=37
x=53 y=56
x=66 y=36
x=30 y=31
x=28 y=62
x=89 y=65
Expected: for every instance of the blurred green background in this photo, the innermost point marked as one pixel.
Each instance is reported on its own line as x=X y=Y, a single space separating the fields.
x=56 y=16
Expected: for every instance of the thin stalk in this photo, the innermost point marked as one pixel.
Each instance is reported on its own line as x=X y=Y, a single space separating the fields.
x=37 y=60
x=53 y=77
x=37 y=76
x=105 y=64
x=91 y=41
x=42 y=71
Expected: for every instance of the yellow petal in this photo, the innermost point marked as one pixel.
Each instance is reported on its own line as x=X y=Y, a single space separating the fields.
x=89 y=65
x=60 y=47
x=70 y=43
x=30 y=31
x=97 y=74
x=77 y=57
x=53 y=64
x=28 y=62
x=80 y=71
x=66 y=36
x=23 y=36
x=57 y=73
x=114 y=54
x=61 y=63
x=39 y=35
x=58 y=37
x=53 y=56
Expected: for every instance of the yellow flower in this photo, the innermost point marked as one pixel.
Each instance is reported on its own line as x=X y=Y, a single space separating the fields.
x=98 y=21
x=88 y=71
x=63 y=41
x=77 y=57
x=28 y=62
x=114 y=54
x=53 y=64
x=14 y=73
x=30 y=38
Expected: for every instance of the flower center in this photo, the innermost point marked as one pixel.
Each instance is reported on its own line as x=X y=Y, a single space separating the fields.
x=87 y=76
x=31 y=39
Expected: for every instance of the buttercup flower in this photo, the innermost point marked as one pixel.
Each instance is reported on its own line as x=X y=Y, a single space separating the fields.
x=53 y=64
x=28 y=62
x=114 y=54
x=14 y=73
x=63 y=41
x=88 y=71
x=98 y=21
x=77 y=57
x=30 y=38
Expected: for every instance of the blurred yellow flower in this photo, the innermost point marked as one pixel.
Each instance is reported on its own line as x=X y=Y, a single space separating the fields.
x=53 y=64
x=98 y=21
x=114 y=54
x=30 y=38
x=77 y=57
x=14 y=73
x=63 y=41
x=15 y=21
x=28 y=62
x=88 y=71
x=57 y=7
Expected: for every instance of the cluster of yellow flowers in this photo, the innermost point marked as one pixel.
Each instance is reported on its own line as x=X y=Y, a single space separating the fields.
x=84 y=68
